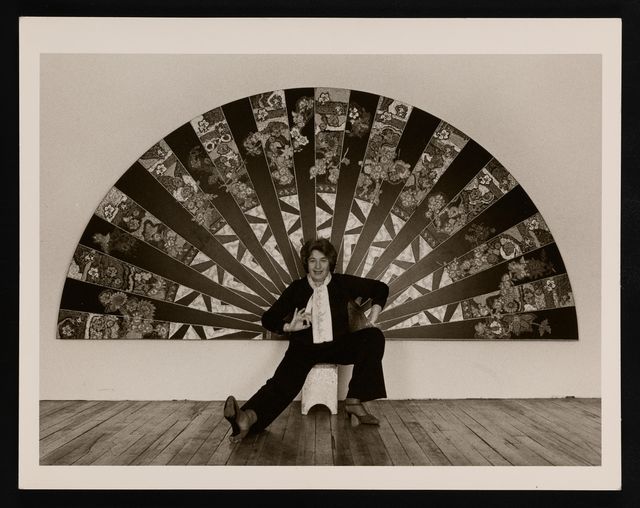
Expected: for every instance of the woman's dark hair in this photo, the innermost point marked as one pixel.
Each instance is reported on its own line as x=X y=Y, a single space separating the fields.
x=324 y=246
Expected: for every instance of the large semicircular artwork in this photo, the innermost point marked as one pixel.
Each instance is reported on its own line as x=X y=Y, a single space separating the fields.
x=203 y=232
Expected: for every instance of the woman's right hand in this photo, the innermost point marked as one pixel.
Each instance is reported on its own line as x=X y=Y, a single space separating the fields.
x=301 y=320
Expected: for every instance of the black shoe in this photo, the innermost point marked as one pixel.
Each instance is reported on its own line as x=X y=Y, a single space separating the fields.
x=359 y=415
x=231 y=410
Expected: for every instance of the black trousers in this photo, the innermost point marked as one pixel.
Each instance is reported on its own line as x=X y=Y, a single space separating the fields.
x=363 y=349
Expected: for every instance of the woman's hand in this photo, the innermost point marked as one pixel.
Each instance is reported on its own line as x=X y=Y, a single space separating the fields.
x=301 y=320
x=374 y=313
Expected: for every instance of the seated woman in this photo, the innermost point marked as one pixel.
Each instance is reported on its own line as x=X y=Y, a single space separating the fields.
x=313 y=312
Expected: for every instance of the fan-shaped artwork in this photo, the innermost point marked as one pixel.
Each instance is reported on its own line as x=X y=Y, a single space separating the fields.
x=203 y=232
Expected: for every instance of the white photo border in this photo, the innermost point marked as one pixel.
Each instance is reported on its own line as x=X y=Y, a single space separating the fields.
x=161 y=36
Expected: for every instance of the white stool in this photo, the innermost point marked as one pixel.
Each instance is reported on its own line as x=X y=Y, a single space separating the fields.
x=321 y=387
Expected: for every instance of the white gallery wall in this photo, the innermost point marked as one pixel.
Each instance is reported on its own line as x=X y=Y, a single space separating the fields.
x=538 y=115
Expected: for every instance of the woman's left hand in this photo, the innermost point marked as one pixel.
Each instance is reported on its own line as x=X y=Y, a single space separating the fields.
x=374 y=313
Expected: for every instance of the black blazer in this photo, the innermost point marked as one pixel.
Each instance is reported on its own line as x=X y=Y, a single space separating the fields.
x=341 y=288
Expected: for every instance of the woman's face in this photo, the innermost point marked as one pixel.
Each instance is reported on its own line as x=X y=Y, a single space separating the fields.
x=318 y=266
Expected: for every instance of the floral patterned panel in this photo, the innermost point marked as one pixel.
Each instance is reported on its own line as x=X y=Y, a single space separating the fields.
x=506 y=327
x=92 y=266
x=83 y=325
x=547 y=293
x=165 y=167
x=216 y=138
x=72 y=324
x=273 y=139
x=117 y=301
x=507 y=312
x=491 y=183
x=122 y=211
x=444 y=146
x=520 y=239
x=330 y=121
x=358 y=125
x=381 y=162
x=301 y=115
x=230 y=173
x=358 y=119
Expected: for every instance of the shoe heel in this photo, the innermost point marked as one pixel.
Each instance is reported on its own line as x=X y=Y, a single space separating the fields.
x=361 y=419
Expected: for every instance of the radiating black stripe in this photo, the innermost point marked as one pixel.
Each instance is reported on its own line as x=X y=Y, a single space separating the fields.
x=188 y=298
x=286 y=207
x=143 y=188
x=396 y=321
x=180 y=333
x=207 y=302
x=200 y=331
x=431 y=317
x=323 y=205
x=237 y=315
x=449 y=312
x=415 y=137
x=240 y=119
x=422 y=290
x=83 y=297
x=363 y=259
x=182 y=141
x=354 y=149
x=357 y=212
x=563 y=322
x=340 y=261
x=236 y=336
x=474 y=285
x=415 y=248
x=248 y=296
x=151 y=259
x=465 y=166
x=325 y=224
x=204 y=266
x=303 y=160
x=437 y=278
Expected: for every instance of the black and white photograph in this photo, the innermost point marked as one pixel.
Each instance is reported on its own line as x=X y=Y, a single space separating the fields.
x=280 y=253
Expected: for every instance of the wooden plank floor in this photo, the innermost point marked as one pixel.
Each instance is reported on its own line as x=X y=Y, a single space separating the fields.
x=502 y=432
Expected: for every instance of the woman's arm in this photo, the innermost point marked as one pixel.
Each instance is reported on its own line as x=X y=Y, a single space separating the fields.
x=281 y=312
x=367 y=289
x=374 y=313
